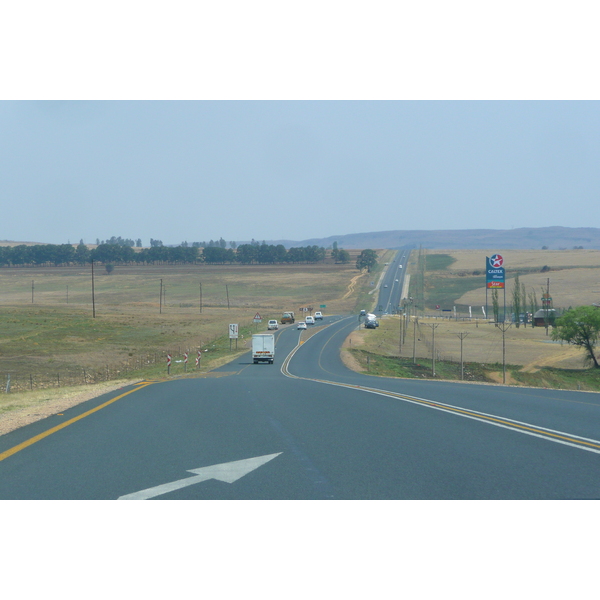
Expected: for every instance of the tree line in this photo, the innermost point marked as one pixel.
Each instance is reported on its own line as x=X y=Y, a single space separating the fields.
x=115 y=253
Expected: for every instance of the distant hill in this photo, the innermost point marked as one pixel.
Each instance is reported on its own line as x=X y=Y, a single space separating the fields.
x=524 y=238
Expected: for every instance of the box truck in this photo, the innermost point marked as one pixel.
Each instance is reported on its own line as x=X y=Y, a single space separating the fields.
x=263 y=347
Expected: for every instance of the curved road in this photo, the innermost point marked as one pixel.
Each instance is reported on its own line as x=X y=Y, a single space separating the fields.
x=309 y=428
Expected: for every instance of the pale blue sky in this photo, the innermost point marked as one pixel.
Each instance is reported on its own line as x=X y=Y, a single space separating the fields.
x=280 y=123
x=196 y=170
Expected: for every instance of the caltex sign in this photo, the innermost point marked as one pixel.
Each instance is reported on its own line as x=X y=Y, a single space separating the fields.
x=494 y=271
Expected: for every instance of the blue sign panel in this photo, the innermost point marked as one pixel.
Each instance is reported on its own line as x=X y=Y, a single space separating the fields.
x=494 y=272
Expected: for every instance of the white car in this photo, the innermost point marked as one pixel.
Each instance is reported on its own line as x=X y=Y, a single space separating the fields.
x=318 y=316
x=302 y=325
x=310 y=320
x=272 y=324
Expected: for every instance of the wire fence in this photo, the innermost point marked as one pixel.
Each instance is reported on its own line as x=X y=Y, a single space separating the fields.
x=180 y=362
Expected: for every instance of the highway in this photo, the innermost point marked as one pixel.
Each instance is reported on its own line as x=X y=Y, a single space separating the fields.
x=309 y=428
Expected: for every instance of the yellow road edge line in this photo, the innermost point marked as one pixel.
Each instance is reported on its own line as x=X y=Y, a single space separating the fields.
x=44 y=434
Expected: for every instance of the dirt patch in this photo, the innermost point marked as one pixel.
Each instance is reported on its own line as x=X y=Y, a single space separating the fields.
x=352 y=286
x=24 y=409
x=351 y=362
x=570 y=354
x=497 y=377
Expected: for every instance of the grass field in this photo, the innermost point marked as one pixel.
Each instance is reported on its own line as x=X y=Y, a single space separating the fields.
x=532 y=358
x=50 y=344
x=457 y=277
x=49 y=336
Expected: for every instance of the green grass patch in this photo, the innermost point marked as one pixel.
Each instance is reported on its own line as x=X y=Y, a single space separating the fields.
x=394 y=366
x=438 y=262
x=560 y=379
x=444 y=291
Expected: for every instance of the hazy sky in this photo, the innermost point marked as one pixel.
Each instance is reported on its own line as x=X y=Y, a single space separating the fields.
x=198 y=170
x=274 y=124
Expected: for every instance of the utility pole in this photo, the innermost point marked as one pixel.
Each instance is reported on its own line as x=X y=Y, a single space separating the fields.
x=160 y=301
x=503 y=327
x=227 y=291
x=433 y=326
x=546 y=302
x=93 y=295
x=414 y=340
x=400 y=339
x=201 y=297
x=462 y=335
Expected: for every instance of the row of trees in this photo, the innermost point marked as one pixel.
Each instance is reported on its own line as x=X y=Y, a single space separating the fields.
x=66 y=254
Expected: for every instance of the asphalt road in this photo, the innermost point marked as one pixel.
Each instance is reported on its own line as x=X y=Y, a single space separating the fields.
x=309 y=428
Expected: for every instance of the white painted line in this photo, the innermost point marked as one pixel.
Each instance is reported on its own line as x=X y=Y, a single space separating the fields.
x=227 y=472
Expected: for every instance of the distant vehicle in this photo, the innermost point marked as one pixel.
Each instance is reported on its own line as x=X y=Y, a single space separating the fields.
x=263 y=347
x=385 y=285
x=302 y=325
x=310 y=320
x=288 y=317
x=371 y=324
x=363 y=313
x=399 y=266
x=318 y=316
x=272 y=324
x=396 y=281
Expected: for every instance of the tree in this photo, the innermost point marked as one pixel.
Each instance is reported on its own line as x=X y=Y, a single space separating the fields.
x=495 y=305
x=367 y=259
x=334 y=251
x=516 y=300
x=533 y=303
x=343 y=256
x=580 y=327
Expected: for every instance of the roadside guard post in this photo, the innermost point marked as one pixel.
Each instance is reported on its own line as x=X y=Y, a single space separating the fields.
x=168 y=364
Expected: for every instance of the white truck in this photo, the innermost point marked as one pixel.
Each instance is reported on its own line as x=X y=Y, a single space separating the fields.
x=263 y=347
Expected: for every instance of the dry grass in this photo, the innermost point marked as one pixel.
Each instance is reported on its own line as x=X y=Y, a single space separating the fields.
x=528 y=346
x=469 y=260
x=56 y=334
x=574 y=274
x=18 y=410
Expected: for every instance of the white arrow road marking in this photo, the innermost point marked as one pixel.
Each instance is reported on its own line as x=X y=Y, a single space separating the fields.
x=227 y=472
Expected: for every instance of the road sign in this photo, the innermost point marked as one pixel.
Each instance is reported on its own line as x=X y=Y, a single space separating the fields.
x=233 y=331
x=495 y=273
x=199 y=357
x=168 y=360
x=323 y=306
x=257 y=318
x=185 y=357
